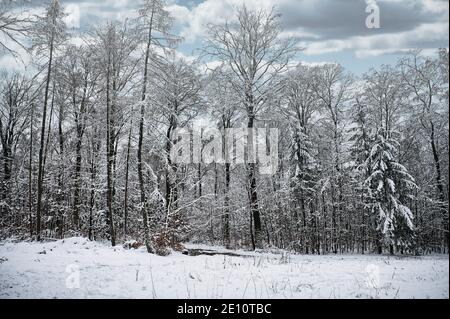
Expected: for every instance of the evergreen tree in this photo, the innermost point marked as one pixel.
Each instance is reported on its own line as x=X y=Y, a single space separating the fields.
x=390 y=184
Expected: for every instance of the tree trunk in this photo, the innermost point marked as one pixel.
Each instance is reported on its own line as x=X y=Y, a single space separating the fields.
x=109 y=156
x=440 y=187
x=213 y=209
x=94 y=151
x=171 y=191
x=226 y=217
x=144 y=204
x=41 y=148
x=61 y=191
x=251 y=171
x=6 y=187
x=80 y=126
x=30 y=174
x=199 y=179
x=127 y=168
x=91 y=200
x=76 y=195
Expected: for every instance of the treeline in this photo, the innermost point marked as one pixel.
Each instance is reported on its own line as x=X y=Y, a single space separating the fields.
x=86 y=139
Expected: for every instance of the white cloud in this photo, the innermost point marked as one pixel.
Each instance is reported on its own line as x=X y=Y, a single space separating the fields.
x=180 y=13
x=9 y=63
x=194 y=23
x=310 y=20
x=436 y=6
x=381 y=44
x=72 y=19
x=195 y=20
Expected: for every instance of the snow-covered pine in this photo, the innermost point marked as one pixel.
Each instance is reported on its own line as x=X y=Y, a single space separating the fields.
x=391 y=185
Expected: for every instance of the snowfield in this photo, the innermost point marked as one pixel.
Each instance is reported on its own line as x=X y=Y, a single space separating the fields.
x=78 y=268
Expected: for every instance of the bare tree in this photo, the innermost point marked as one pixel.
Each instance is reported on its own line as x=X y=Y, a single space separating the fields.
x=224 y=104
x=299 y=104
x=115 y=44
x=78 y=75
x=14 y=25
x=332 y=84
x=48 y=34
x=426 y=84
x=16 y=97
x=153 y=19
x=178 y=98
x=252 y=49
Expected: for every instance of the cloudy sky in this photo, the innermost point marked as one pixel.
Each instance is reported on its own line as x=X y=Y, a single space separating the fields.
x=330 y=30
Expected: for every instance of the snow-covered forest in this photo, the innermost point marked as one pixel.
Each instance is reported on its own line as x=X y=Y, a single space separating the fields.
x=88 y=127
x=91 y=126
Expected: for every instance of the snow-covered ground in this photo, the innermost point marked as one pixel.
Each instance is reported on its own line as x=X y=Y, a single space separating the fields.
x=77 y=268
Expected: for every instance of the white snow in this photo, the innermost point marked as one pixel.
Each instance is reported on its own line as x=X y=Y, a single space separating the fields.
x=78 y=268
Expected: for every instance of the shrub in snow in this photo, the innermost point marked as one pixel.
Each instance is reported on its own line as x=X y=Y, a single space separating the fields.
x=132 y=244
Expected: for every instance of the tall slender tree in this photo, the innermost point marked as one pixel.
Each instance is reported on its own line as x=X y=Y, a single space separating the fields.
x=153 y=19
x=49 y=32
x=253 y=50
